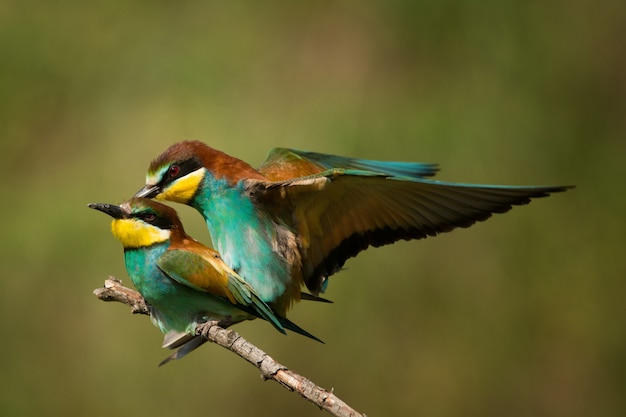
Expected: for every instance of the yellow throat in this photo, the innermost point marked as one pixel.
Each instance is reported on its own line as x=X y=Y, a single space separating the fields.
x=134 y=233
x=183 y=189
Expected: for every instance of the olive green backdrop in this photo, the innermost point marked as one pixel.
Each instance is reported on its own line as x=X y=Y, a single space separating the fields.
x=522 y=315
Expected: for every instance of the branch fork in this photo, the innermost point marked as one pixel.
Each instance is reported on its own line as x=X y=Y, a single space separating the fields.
x=113 y=290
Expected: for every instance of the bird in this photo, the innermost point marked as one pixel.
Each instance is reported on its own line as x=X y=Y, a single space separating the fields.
x=184 y=282
x=297 y=219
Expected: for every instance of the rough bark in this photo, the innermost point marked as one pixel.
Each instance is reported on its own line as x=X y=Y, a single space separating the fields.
x=231 y=340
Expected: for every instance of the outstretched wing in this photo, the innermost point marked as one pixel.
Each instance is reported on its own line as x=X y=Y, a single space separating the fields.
x=284 y=164
x=339 y=213
x=203 y=269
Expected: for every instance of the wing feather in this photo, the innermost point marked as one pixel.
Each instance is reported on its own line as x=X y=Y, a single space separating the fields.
x=199 y=269
x=284 y=163
x=339 y=213
x=204 y=270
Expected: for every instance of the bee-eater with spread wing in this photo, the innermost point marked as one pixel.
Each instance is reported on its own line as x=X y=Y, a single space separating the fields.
x=301 y=215
x=184 y=282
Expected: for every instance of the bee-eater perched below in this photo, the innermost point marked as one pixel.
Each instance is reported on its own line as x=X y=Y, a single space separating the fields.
x=301 y=215
x=183 y=281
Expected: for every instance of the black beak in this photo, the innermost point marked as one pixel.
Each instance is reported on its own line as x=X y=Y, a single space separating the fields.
x=149 y=191
x=112 y=210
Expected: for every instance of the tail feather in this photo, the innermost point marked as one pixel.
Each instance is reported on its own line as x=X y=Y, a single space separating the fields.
x=311 y=297
x=185 y=345
x=289 y=325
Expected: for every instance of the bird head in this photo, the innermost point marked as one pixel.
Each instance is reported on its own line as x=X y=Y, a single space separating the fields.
x=140 y=222
x=176 y=174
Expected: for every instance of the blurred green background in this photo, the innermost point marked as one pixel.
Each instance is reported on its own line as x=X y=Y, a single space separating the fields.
x=522 y=315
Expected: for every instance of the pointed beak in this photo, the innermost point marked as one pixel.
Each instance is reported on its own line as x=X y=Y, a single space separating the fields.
x=149 y=191
x=112 y=210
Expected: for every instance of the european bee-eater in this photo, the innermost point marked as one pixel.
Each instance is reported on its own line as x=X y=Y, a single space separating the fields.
x=301 y=215
x=183 y=281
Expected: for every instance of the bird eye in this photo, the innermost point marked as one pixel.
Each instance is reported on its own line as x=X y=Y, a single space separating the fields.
x=173 y=171
x=149 y=217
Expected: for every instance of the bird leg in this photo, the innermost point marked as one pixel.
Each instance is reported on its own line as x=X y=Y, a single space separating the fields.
x=202 y=329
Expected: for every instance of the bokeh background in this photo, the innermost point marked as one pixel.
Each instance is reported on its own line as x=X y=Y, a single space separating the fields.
x=521 y=315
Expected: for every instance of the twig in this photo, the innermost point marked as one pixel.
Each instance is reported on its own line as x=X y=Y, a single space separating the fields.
x=231 y=340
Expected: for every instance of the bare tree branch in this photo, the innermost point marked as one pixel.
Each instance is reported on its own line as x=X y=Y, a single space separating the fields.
x=231 y=340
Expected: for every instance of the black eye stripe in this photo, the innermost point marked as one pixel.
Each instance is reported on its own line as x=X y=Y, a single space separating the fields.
x=154 y=219
x=184 y=168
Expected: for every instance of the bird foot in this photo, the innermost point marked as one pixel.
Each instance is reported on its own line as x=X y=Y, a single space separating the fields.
x=225 y=322
x=203 y=328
